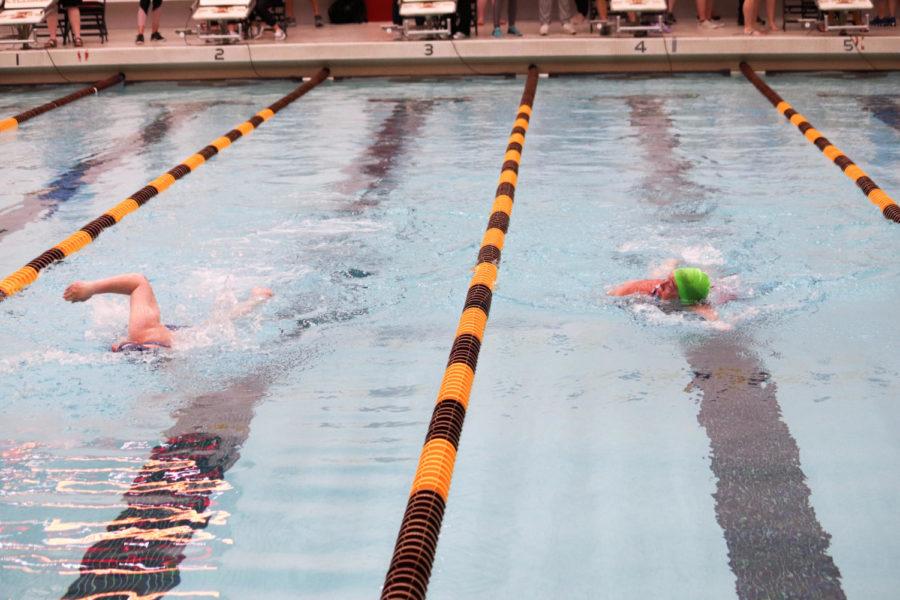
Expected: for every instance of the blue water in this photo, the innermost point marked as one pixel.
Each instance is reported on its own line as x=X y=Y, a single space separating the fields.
x=592 y=464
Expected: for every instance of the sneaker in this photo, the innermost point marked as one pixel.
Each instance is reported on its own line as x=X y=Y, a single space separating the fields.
x=255 y=31
x=707 y=25
x=545 y=29
x=718 y=24
x=156 y=37
x=604 y=29
x=459 y=35
x=664 y=27
x=670 y=18
x=319 y=21
x=280 y=35
x=290 y=21
x=513 y=30
x=569 y=28
x=139 y=40
x=890 y=22
x=497 y=33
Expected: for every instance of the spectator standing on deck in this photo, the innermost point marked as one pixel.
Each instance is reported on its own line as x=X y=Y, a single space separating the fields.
x=289 y=13
x=144 y=8
x=264 y=10
x=462 y=21
x=511 y=6
x=705 y=14
x=750 y=10
x=885 y=13
x=74 y=13
x=545 y=12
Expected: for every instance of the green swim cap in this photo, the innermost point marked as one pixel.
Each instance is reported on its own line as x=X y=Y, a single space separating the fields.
x=693 y=285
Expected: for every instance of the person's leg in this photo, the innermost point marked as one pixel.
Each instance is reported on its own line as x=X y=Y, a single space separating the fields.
x=511 y=13
x=670 y=11
x=157 y=13
x=749 y=16
x=75 y=23
x=464 y=12
x=143 y=9
x=770 y=15
x=544 y=11
x=482 y=7
x=317 y=17
x=601 y=10
x=52 y=26
x=565 y=10
x=498 y=4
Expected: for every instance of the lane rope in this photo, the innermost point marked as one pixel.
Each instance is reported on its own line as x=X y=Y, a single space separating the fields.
x=87 y=234
x=10 y=123
x=410 y=567
x=875 y=194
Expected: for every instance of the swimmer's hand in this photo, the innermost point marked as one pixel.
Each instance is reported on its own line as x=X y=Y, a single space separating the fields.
x=261 y=293
x=78 y=291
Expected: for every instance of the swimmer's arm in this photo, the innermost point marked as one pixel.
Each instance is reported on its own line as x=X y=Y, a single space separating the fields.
x=80 y=291
x=665 y=269
x=257 y=297
x=637 y=286
x=706 y=311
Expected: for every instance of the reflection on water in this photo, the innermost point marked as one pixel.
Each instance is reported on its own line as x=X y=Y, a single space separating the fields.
x=167 y=503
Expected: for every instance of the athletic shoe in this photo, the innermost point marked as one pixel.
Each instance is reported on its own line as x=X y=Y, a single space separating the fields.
x=459 y=35
x=545 y=29
x=670 y=18
x=255 y=31
x=513 y=30
x=707 y=25
x=319 y=21
x=280 y=35
x=155 y=37
x=890 y=22
x=497 y=33
x=139 y=40
x=717 y=24
x=568 y=28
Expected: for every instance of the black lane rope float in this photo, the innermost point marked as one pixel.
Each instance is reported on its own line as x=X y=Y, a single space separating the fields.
x=87 y=234
x=875 y=194
x=13 y=122
x=410 y=568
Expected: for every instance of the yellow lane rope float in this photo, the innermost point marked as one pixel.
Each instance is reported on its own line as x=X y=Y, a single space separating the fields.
x=13 y=122
x=875 y=194
x=410 y=568
x=81 y=238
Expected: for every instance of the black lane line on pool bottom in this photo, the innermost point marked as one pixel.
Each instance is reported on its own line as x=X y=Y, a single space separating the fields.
x=776 y=546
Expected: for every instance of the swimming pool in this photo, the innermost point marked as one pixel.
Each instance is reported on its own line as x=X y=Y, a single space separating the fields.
x=610 y=449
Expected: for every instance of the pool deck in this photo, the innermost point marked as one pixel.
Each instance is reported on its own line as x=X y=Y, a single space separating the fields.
x=368 y=50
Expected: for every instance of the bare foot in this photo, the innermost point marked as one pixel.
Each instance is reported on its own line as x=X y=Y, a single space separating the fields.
x=78 y=291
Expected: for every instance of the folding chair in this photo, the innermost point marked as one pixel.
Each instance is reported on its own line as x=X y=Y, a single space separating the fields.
x=21 y=16
x=427 y=18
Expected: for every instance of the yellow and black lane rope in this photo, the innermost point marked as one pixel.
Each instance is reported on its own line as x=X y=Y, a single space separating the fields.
x=410 y=568
x=87 y=234
x=875 y=194
x=13 y=122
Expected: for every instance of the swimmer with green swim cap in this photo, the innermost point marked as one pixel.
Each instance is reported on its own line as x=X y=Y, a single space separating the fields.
x=689 y=285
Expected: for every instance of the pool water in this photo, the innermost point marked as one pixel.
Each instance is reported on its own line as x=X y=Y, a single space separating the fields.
x=611 y=449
